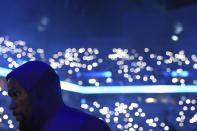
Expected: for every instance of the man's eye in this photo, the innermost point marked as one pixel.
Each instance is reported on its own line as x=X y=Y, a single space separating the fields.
x=16 y=94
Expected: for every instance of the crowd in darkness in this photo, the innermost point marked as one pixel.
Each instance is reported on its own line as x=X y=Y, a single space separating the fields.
x=127 y=67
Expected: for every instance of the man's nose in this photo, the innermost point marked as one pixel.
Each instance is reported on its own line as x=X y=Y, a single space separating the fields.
x=12 y=105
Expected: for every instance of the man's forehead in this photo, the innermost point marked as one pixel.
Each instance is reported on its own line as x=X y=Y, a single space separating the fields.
x=12 y=83
x=12 y=87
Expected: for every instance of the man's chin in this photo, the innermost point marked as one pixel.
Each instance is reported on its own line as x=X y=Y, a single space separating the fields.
x=19 y=118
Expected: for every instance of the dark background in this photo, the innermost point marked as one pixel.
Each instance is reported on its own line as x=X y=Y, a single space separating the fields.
x=104 y=24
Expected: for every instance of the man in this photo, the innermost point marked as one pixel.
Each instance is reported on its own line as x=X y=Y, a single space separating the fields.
x=37 y=103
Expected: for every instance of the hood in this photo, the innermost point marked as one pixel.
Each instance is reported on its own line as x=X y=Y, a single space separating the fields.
x=42 y=85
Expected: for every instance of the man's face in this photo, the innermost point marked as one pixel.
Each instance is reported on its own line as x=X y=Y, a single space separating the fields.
x=19 y=100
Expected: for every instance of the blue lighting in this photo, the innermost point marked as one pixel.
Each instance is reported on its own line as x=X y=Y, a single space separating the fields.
x=120 y=89
x=107 y=74
x=4 y=71
x=133 y=89
x=174 y=74
x=184 y=74
x=95 y=74
x=21 y=61
x=166 y=73
x=79 y=74
x=83 y=101
x=181 y=74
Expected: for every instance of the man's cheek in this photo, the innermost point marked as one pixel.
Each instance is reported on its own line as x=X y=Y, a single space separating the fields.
x=19 y=118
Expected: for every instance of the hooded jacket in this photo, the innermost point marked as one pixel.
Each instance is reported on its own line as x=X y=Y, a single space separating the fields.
x=49 y=113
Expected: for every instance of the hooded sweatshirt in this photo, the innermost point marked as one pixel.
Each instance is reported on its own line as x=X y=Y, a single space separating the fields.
x=49 y=113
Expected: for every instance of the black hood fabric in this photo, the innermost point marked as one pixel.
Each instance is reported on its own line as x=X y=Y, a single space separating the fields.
x=49 y=113
x=43 y=88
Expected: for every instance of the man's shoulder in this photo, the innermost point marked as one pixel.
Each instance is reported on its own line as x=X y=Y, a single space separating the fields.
x=94 y=124
x=74 y=113
x=85 y=121
x=67 y=118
